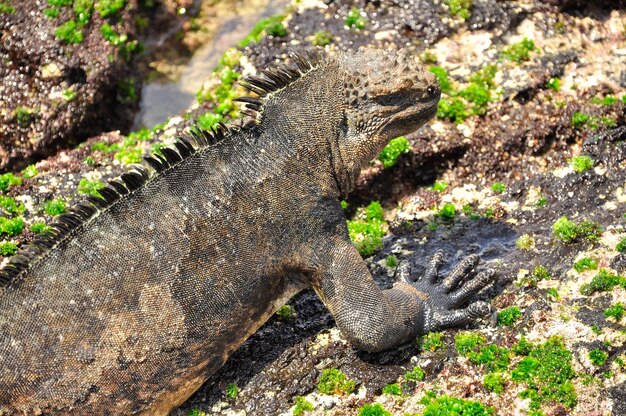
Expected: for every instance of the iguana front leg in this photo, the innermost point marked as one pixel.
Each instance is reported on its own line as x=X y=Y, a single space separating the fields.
x=375 y=320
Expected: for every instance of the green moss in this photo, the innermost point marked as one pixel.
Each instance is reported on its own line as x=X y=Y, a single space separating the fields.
x=141 y=135
x=440 y=186
x=508 y=316
x=276 y=29
x=60 y=3
x=468 y=210
x=126 y=93
x=207 y=121
x=553 y=293
x=260 y=29
x=479 y=90
x=24 y=116
x=598 y=357
x=442 y=78
x=393 y=389
x=416 y=374
x=105 y=147
x=525 y=242
x=616 y=311
x=54 y=207
x=129 y=155
x=11 y=226
x=428 y=57
x=590 y=230
x=494 y=382
x=333 y=381
x=124 y=45
x=224 y=93
x=40 y=227
x=498 y=187
x=492 y=357
x=5 y=7
x=451 y=406
x=7 y=180
x=547 y=372
x=29 y=172
x=109 y=8
x=355 y=19
x=579 y=119
x=51 y=12
x=489 y=213
x=391 y=261
x=585 y=264
x=447 y=212
x=467 y=342
x=7 y=248
x=604 y=281
x=83 y=10
x=367 y=229
x=460 y=8
x=453 y=109
x=69 y=94
x=607 y=100
x=621 y=245
x=391 y=152
x=539 y=273
x=541 y=201
x=581 y=163
x=302 y=406
x=432 y=341
x=568 y=231
x=69 y=32
x=554 y=84
x=285 y=312
x=322 y=38
x=156 y=148
x=231 y=391
x=87 y=187
x=520 y=51
x=609 y=122
x=10 y=207
x=375 y=409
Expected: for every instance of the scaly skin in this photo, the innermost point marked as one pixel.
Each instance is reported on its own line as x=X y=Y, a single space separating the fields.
x=134 y=307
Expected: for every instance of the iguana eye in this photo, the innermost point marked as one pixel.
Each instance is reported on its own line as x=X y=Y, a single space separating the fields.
x=431 y=89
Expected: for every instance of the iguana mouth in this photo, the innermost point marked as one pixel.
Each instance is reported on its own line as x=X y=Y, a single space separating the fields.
x=410 y=118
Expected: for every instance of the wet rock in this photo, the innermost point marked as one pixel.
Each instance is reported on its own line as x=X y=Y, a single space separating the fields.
x=61 y=80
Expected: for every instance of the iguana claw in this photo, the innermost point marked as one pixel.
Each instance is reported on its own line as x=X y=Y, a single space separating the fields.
x=443 y=297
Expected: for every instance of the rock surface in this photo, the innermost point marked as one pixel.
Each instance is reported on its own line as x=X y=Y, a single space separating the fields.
x=68 y=72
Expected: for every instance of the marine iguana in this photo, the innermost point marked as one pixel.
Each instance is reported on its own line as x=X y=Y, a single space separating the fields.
x=136 y=298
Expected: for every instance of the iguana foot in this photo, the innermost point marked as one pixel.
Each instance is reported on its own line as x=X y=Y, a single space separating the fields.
x=443 y=298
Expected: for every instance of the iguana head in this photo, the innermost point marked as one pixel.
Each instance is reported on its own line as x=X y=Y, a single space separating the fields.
x=387 y=94
x=359 y=101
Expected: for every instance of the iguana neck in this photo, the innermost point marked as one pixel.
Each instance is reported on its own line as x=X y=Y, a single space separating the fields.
x=294 y=116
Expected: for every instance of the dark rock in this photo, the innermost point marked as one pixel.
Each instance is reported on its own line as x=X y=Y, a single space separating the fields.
x=56 y=94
